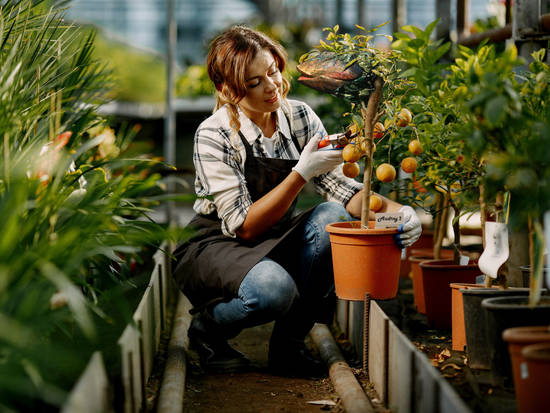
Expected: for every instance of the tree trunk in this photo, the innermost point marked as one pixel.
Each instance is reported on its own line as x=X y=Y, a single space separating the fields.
x=369 y=115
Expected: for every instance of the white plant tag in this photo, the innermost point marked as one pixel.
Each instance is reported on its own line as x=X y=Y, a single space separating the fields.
x=524 y=372
x=464 y=260
x=388 y=219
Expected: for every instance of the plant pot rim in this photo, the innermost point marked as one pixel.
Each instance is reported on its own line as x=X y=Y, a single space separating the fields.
x=491 y=290
x=527 y=334
x=528 y=268
x=465 y=286
x=446 y=263
x=539 y=351
x=512 y=303
x=354 y=228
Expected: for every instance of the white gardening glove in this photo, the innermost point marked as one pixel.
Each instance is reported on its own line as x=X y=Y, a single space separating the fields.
x=410 y=230
x=313 y=162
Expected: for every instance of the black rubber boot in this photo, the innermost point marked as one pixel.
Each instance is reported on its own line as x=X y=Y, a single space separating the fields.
x=288 y=354
x=209 y=340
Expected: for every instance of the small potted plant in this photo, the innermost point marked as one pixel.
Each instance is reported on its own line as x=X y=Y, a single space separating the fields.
x=349 y=67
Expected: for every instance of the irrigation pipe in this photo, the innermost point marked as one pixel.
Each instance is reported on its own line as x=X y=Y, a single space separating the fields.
x=354 y=398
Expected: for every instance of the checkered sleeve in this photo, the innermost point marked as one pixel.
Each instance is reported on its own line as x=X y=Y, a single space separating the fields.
x=220 y=178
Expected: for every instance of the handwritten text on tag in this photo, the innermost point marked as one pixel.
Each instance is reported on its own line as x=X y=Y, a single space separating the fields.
x=389 y=219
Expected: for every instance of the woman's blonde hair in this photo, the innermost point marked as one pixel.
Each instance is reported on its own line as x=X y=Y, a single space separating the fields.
x=229 y=55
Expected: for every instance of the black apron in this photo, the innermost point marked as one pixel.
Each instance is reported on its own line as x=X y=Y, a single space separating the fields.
x=210 y=265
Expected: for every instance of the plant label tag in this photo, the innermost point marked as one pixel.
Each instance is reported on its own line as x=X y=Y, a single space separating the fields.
x=388 y=219
x=464 y=260
x=523 y=370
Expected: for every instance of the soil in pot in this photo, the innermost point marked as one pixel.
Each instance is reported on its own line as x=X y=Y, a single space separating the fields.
x=537 y=369
x=364 y=261
x=475 y=322
x=503 y=313
x=437 y=275
x=517 y=339
x=418 y=256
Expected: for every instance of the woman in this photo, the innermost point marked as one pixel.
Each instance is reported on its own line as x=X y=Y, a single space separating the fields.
x=252 y=259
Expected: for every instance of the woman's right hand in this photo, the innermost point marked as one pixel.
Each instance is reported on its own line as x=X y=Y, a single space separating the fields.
x=313 y=162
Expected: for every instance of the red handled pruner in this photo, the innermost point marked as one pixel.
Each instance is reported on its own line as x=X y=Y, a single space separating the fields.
x=337 y=140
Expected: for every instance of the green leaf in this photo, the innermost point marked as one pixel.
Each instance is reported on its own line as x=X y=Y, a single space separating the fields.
x=495 y=109
x=430 y=28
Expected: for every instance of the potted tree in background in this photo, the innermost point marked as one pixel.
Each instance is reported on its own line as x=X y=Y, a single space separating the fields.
x=448 y=177
x=509 y=130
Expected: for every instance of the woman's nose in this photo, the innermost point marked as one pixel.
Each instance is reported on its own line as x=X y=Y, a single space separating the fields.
x=272 y=84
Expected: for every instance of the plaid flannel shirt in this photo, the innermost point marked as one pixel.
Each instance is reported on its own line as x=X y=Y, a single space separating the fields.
x=219 y=157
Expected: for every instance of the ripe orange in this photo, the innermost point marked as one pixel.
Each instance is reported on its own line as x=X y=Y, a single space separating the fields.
x=375 y=203
x=415 y=147
x=350 y=169
x=409 y=164
x=404 y=117
x=378 y=130
x=351 y=153
x=385 y=172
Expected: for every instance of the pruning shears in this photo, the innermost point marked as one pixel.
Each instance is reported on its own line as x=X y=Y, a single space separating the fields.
x=337 y=140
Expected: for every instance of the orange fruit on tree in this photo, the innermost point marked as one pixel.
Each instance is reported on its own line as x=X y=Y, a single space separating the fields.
x=378 y=130
x=375 y=203
x=350 y=169
x=351 y=153
x=385 y=172
x=415 y=147
x=409 y=164
x=404 y=117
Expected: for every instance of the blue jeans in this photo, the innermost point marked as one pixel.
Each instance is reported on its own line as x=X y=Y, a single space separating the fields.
x=268 y=291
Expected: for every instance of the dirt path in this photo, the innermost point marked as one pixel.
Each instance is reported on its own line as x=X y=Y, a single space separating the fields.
x=257 y=390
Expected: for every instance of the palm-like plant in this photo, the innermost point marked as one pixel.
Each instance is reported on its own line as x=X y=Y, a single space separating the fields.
x=71 y=208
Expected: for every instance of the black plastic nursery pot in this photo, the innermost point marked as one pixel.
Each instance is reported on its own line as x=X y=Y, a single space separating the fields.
x=475 y=322
x=503 y=313
x=526 y=275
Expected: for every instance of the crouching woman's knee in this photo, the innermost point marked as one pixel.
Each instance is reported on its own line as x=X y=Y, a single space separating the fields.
x=274 y=289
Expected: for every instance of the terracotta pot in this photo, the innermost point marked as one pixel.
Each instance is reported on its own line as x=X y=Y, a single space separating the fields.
x=537 y=372
x=425 y=241
x=518 y=338
x=457 y=310
x=437 y=275
x=417 y=256
x=364 y=260
x=475 y=317
x=503 y=313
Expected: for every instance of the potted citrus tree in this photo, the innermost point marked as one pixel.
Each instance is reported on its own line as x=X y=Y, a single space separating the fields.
x=446 y=179
x=349 y=67
x=509 y=128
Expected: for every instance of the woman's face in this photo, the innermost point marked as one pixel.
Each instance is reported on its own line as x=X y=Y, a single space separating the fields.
x=263 y=84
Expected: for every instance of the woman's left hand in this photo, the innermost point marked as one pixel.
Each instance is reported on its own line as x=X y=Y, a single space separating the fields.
x=410 y=230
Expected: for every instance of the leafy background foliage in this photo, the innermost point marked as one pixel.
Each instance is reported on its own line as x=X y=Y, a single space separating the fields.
x=74 y=203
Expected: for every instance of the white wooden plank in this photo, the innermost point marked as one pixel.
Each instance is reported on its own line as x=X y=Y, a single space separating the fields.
x=449 y=400
x=426 y=385
x=129 y=343
x=378 y=350
x=91 y=392
x=156 y=303
x=400 y=370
